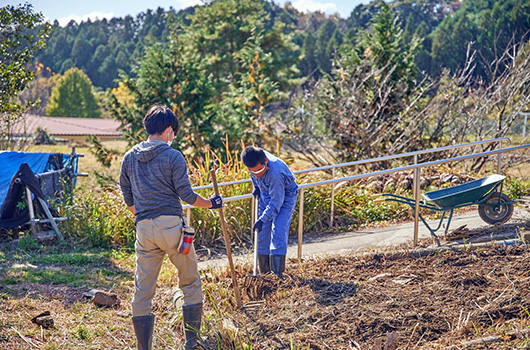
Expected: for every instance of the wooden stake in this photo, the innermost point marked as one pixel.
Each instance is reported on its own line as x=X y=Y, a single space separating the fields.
x=227 y=243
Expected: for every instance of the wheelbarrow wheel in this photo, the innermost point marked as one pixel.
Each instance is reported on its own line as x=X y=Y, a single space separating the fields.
x=492 y=214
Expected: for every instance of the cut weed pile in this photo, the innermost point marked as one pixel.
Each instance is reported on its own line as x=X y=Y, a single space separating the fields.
x=441 y=299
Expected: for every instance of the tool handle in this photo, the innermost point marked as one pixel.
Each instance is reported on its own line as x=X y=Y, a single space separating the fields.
x=214 y=182
x=227 y=242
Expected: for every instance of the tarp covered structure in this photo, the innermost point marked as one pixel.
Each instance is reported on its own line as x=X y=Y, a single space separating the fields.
x=43 y=173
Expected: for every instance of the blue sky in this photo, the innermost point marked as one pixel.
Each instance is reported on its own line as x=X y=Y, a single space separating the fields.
x=65 y=10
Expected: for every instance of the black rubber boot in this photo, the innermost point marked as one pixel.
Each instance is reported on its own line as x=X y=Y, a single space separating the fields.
x=143 y=328
x=192 y=316
x=264 y=265
x=278 y=264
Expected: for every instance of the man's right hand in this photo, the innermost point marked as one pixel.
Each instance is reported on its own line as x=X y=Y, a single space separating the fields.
x=217 y=201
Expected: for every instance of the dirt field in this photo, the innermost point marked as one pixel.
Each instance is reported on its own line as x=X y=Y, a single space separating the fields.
x=441 y=300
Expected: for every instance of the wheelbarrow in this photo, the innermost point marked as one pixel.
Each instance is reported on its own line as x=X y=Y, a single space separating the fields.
x=494 y=207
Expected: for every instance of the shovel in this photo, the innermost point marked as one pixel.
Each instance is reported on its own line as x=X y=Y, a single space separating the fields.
x=227 y=243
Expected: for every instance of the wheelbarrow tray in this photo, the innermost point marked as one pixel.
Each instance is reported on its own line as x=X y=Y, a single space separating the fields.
x=465 y=194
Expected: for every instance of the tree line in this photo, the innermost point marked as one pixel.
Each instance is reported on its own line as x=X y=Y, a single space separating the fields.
x=102 y=48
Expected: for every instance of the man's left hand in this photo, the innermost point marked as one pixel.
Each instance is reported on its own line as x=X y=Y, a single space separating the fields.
x=257 y=226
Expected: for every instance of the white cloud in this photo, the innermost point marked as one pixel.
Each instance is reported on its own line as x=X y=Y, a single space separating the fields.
x=95 y=15
x=310 y=5
x=188 y=3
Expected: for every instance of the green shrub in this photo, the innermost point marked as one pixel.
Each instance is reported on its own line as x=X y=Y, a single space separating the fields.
x=516 y=187
x=103 y=218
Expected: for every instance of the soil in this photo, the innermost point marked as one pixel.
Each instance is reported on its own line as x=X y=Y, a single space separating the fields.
x=452 y=299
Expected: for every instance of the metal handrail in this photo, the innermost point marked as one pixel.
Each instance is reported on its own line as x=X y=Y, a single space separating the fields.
x=410 y=167
x=403 y=155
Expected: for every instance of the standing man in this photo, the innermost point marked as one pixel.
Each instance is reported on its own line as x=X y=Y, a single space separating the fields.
x=275 y=185
x=154 y=179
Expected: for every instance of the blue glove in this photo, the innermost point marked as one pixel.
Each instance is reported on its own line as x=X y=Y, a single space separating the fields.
x=258 y=226
x=217 y=201
x=256 y=192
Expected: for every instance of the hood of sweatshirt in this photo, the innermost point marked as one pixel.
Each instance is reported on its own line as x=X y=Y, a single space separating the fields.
x=147 y=150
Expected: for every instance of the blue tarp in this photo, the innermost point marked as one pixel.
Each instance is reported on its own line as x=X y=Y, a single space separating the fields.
x=11 y=161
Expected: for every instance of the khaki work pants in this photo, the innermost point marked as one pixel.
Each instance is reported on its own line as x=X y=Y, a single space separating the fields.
x=154 y=239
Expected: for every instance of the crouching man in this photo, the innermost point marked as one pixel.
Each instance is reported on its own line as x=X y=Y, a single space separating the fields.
x=277 y=190
x=154 y=179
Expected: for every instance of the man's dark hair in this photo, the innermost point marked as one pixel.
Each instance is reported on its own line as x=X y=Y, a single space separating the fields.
x=158 y=118
x=252 y=156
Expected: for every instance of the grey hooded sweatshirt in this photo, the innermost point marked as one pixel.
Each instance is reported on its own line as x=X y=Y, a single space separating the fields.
x=154 y=178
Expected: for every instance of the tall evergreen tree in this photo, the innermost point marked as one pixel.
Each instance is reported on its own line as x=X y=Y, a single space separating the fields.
x=368 y=100
x=383 y=47
x=168 y=75
x=219 y=31
x=323 y=51
x=423 y=58
x=243 y=106
x=309 y=63
x=491 y=25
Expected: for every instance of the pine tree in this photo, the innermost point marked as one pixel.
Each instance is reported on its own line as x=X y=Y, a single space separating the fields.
x=367 y=101
x=244 y=104
x=219 y=31
x=309 y=63
x=323 y=53
x=169 y=76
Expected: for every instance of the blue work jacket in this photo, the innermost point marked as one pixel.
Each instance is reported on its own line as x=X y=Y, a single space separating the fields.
x=275 y=185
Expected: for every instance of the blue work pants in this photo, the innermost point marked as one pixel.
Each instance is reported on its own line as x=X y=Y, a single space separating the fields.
x=272 y=239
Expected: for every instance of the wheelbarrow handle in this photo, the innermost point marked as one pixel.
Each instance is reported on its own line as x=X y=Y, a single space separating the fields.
x=379 y=199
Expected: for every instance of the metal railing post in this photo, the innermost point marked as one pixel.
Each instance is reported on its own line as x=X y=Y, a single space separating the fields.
x=332 y=198
x=499 y=158
x=525 y=121
x=416 y=193
x=300 y=225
